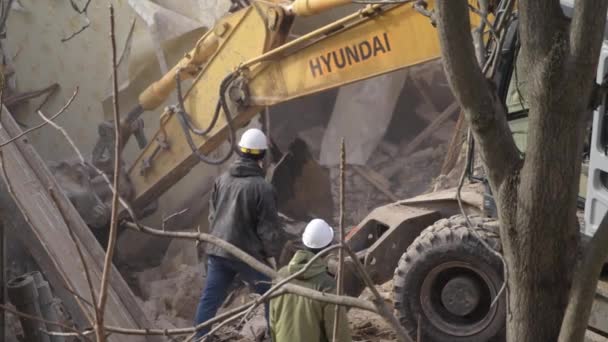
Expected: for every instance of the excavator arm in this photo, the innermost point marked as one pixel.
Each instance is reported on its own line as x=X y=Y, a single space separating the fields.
x=245 y=64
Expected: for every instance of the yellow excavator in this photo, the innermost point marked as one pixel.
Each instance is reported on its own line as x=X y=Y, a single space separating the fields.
x=245 y=63
x=446 y=283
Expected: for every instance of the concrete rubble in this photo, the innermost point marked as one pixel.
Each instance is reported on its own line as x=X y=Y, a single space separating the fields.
x=405 y=177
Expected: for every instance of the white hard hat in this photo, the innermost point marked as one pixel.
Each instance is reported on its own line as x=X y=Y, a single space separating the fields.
x=253 y=141
x=317 y=234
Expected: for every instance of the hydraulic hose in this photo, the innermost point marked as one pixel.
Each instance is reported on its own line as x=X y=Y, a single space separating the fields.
x=184 y=122
x=182 y=111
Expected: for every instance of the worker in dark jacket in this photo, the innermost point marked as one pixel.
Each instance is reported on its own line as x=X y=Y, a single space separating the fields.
x=294 y=318
x=243 y=212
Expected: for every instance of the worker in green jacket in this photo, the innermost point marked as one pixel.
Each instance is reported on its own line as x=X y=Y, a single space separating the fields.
x=294 y=318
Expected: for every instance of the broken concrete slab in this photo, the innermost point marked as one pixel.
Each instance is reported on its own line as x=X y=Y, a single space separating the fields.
x=361 y=115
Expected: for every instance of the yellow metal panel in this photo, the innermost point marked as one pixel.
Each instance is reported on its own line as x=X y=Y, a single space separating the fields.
x=310 y=7
x=246 y=38
x=394 y=39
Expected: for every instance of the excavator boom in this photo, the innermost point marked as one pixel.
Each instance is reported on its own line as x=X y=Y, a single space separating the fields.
x=245 y=64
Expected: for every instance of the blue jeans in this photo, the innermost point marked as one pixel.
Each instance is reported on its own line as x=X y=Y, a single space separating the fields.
x=220 y=273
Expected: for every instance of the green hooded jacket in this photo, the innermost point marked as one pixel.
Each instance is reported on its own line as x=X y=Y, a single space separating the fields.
x=294 y=318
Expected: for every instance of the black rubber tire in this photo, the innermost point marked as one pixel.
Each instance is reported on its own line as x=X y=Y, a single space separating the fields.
x=449 y=241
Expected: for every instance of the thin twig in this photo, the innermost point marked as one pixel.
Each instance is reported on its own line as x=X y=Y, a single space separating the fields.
x=5 y=14
x=127 y=40
x=52 y=89
x=284 y=281
x=84 y=27
x=172 y=332
x=28 y=95
x=85 y=332
x=83 y=11
x=419 y=330
x=61 y=111
x=381 y=306
x=475 y=233
x=57 y=324
x=73 y=293
x=231 y=319
x=83 y=161
x=107 y=267
x=340 y=280
x=480 y=49
x=68 y=334
x=172 y=216
x=484 y=18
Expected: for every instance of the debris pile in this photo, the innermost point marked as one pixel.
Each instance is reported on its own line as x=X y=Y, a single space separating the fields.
x=387 y=178
x=389 y=157
x=171 y=290
x=170 y=298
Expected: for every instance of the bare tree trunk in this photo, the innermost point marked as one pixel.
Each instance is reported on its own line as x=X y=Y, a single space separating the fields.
x=536 y=195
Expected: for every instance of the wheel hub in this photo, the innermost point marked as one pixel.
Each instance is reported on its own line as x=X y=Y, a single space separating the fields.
x=456 y=296
x=460 y=295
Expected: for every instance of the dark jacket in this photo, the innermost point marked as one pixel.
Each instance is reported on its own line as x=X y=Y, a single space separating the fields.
x=243 y=212
x=294 y=318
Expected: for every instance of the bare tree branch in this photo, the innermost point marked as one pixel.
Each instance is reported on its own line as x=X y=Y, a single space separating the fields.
x=587 y=31
x=480 y=104
x=53 y=88
x=68 y=334
x=538 y=20
x=165 y=219
x=107 y=267
x=478 y=32
x=584 y=286
x=61 y=111
x=383 y=309
x=167 y=332
x=5 y=12
x=83 y=161
x=77 y=295
x=15 y=99
x=340 y=280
